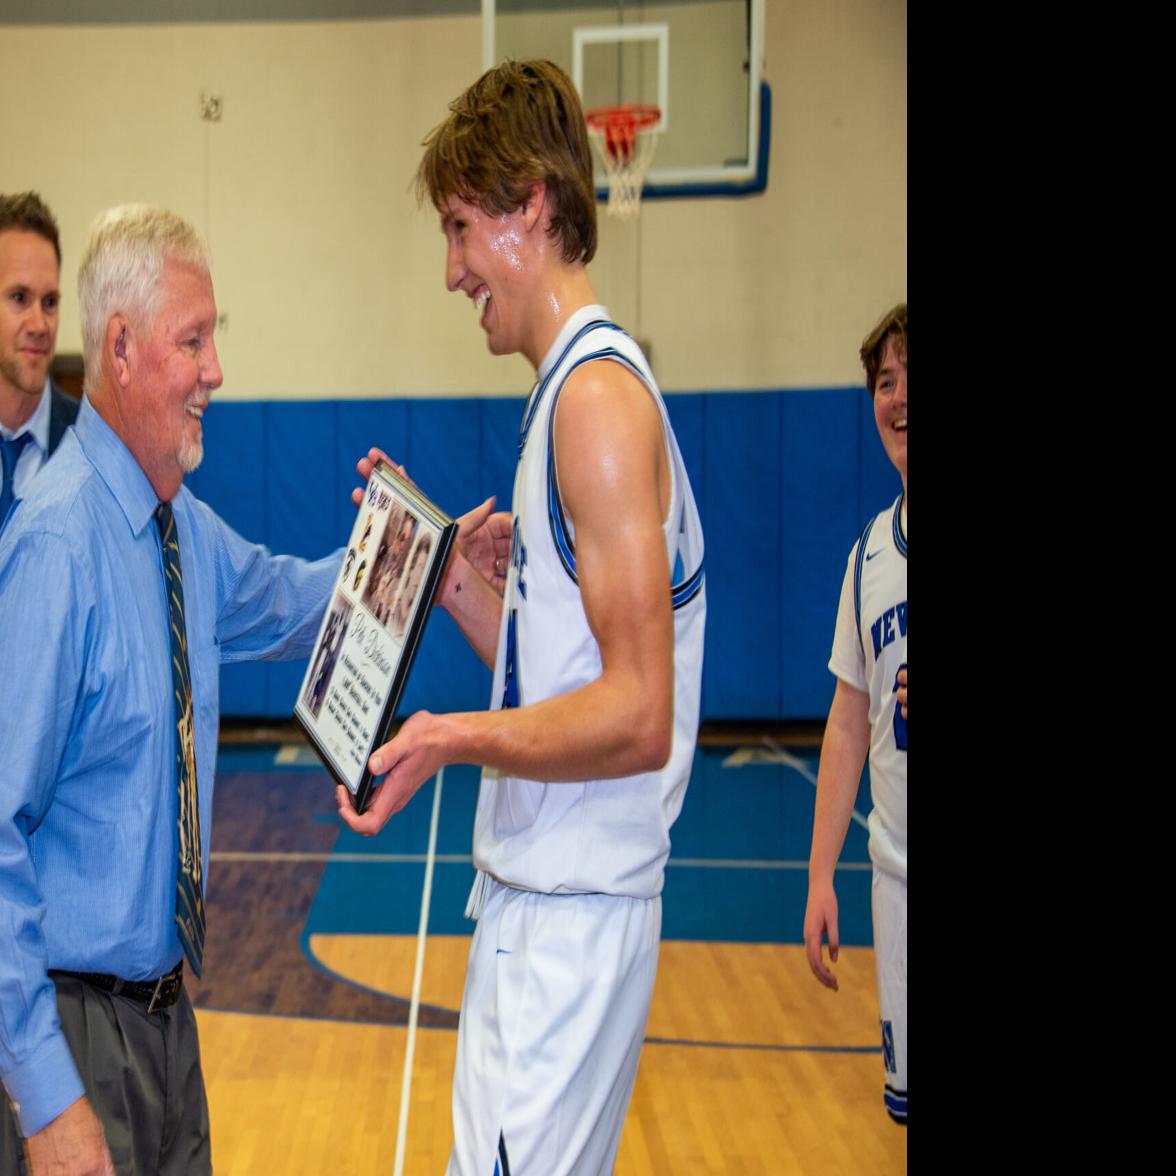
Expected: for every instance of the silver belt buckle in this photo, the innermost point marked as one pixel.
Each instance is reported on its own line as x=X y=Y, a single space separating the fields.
x=155 y=995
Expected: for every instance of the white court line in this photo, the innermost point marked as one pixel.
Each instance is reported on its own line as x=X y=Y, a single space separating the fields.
x=362 y=859
x=799 y=765
x=418 y=970
x=697 y=863
x=375 y=859
x=755 y=864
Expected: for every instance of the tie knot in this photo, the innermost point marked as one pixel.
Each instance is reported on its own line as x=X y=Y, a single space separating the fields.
x=12 y=450
x=9 y=454
x=163 y=518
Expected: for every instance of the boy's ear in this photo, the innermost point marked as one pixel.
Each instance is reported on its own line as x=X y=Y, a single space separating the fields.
x=535 y=205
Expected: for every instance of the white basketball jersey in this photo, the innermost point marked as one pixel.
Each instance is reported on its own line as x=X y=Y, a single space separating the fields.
x=869 y=648
x=598 y=836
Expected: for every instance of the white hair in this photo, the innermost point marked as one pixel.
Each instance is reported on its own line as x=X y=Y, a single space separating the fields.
x=122 y=268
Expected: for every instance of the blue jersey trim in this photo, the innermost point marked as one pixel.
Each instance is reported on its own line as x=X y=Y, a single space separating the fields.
x=681 y=593
x=896 y=527
x=559 y=526
x=541 y=387
x=857 y=582
x=560 y=532
x=896 y=1104
x=684 y=592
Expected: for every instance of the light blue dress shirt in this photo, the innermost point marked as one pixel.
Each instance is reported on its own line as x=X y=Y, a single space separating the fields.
x=88 y=838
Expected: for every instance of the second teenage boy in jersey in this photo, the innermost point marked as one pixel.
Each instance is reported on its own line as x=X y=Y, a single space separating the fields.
x=596 y=647
x=869 y=717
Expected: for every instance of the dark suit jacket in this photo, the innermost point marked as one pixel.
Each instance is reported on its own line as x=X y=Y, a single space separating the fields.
x=63 y=411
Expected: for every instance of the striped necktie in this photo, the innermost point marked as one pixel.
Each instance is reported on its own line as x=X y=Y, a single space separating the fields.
x=189 y=867
x=9 y=456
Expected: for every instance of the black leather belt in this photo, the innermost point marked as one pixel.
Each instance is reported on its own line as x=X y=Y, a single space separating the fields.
x=155 y=994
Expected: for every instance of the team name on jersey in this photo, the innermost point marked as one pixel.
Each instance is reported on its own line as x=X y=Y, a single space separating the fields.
x=518 y=555
x=891 y=624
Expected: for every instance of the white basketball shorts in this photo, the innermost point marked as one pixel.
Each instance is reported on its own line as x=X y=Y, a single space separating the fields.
x=553 y=1015
x=890 y=956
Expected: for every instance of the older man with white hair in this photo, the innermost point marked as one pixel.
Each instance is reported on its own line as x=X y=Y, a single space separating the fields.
x=131 y=594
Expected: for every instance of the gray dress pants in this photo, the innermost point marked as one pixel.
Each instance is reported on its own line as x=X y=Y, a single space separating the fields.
x=142 y=1076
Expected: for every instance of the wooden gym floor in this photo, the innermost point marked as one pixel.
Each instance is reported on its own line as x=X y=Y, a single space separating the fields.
x=314 y=1059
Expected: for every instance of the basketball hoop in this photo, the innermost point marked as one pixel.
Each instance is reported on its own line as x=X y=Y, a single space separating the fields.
x=625 y=138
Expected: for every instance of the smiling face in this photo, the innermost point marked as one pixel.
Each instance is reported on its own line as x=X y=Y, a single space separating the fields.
x=890 y=404
x=29 y=299
x=174 y=372
x=486 y=259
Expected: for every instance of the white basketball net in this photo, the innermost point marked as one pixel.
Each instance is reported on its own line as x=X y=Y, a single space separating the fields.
x=626 y=164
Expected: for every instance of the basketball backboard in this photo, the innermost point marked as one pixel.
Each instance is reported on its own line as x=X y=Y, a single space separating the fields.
x=697 y=60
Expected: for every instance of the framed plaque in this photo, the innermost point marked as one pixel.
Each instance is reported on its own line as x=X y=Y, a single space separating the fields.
x=372 y=627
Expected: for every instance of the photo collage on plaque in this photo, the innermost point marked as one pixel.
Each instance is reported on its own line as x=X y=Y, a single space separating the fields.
x=392 y=585
x=354 y=672
x=322 y=665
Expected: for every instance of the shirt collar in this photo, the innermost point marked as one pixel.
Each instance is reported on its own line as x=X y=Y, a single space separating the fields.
x=116 y=467
x=575 y=321
x=37 y=426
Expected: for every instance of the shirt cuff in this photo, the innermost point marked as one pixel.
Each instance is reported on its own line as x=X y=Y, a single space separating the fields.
x=44 y=1085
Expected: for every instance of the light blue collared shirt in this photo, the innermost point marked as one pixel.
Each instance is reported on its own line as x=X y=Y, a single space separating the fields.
x=88 y=799
x=36 y=453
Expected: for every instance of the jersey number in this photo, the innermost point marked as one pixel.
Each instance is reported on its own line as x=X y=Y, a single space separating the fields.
x=899 y=721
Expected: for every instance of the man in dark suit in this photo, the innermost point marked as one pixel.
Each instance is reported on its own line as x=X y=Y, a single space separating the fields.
x=34 y=411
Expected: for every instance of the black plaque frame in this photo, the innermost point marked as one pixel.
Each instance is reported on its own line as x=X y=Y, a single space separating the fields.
x=368 y=638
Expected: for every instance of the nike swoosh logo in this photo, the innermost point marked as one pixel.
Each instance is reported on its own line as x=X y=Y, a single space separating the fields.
x=870 y=554
x=502 y=951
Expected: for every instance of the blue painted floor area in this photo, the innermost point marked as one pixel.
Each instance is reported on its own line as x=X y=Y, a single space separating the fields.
x=761 y=813
x=737 y=872
x=265 y=757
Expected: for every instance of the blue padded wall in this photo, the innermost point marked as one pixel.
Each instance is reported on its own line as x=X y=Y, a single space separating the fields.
x=741 y=516
x=232 y=479
x=819 y=446
x=784 y=481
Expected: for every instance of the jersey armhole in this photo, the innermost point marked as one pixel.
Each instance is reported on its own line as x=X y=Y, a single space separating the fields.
x=562 y=528
x=857 y=583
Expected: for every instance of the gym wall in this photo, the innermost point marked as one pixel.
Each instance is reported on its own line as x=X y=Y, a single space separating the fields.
x=338 y=331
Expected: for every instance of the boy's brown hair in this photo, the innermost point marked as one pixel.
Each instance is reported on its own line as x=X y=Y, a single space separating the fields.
x=517 y=125
x=894 y=322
